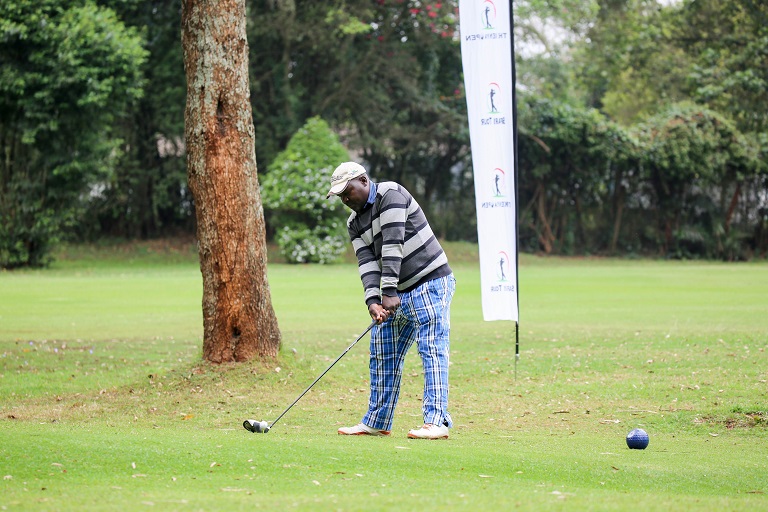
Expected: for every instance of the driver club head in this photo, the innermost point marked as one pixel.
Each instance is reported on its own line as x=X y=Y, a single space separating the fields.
x=260 y=427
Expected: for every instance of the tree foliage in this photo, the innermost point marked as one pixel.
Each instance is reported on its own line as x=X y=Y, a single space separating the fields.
x=579 y=168
x=593 y=185
x=630 y=63
x=147 y=195
x=696 y=162
x=642 y=61
x=69 y=71
x=728 y=41
x=386 y=75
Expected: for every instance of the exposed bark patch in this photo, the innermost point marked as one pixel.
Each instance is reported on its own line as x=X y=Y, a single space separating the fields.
x=221 y=119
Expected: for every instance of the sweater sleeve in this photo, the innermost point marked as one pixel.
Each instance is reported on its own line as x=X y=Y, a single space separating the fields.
x=368 y=266
x=393 y=214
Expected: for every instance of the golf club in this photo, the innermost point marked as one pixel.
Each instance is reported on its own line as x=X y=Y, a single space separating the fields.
x=262 y=427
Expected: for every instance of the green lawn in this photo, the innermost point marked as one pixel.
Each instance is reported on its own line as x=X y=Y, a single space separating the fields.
x=106 y=405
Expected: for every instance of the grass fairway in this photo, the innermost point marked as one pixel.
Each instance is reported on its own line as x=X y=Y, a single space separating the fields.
x=106 y=405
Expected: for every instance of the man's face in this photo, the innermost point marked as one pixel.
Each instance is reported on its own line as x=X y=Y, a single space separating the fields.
x=356 y=194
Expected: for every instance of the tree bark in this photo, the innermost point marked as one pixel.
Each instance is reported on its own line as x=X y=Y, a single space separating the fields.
x=618 y=210
x=239 y=321
x=546 y=238
x=732 y=207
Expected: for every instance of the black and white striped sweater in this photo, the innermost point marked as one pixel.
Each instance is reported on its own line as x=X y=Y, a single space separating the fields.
x=395 y=246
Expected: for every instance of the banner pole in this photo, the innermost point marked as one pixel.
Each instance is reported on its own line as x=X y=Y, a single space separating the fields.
x=517 y=348
x=514 y=156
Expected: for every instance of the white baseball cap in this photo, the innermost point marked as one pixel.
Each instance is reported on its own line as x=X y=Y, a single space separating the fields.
x=342 y=175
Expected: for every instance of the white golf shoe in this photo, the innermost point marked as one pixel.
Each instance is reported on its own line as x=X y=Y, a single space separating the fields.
x=361 y=429
x=429 y=431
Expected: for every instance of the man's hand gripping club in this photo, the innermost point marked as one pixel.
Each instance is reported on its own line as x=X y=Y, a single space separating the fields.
x=388 y=307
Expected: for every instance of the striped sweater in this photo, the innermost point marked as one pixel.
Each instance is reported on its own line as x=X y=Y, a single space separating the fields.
x=395 y=247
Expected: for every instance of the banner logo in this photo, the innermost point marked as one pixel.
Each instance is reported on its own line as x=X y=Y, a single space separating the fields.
x=499 y=183
x=505 y=278
x=494 y=97
x=488 y=15
x=495 y=105
x=497 y=186
x=503 y=269
x=486 y=25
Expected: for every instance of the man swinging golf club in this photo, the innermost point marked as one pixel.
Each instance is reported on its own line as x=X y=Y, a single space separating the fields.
x=408 y=290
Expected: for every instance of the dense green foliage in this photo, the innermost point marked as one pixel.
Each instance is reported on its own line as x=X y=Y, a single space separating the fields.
x=68 y=72
x=679 y=182
x=695 y=164
x=580 y=166
x=596 y=80
x=311 y=227
x=707 y=196
x=147 y=195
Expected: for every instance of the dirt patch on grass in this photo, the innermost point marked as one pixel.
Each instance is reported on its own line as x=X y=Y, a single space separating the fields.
x=738 y=420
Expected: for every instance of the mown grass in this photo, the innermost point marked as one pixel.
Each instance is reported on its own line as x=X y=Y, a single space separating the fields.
x=106 y=405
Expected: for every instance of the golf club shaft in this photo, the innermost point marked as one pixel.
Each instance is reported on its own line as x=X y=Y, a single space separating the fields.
x=326 y=371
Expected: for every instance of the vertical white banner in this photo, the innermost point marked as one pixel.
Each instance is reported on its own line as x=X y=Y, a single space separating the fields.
x=486 y=50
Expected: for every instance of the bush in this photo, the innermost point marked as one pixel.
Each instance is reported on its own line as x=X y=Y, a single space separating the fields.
x=28 y=242
x=321 y=244
x=309 y=228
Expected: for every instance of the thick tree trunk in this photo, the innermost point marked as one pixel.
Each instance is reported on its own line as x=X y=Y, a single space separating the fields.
x=238 y=319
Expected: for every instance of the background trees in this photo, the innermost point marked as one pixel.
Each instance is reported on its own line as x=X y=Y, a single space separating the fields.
x=148 y=196
x=69 y=72
x=580 y=169
x=696 y=163
x=596 y=80
x=640 y=62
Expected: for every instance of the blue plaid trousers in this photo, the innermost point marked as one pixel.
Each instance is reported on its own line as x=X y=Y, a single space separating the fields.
x=423 y=317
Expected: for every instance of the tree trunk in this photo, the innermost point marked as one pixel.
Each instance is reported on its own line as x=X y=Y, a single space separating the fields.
x=618 y=210
x=238 y=319
x=732 y=207
x=616 y=226
x=546 y=238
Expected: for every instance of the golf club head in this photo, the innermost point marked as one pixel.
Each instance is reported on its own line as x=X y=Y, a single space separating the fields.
x=260 y=427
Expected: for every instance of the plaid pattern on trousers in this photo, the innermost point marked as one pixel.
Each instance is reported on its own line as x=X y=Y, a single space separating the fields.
x=424 y=318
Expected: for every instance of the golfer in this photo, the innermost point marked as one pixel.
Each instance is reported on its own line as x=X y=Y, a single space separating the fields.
x=408 y=290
